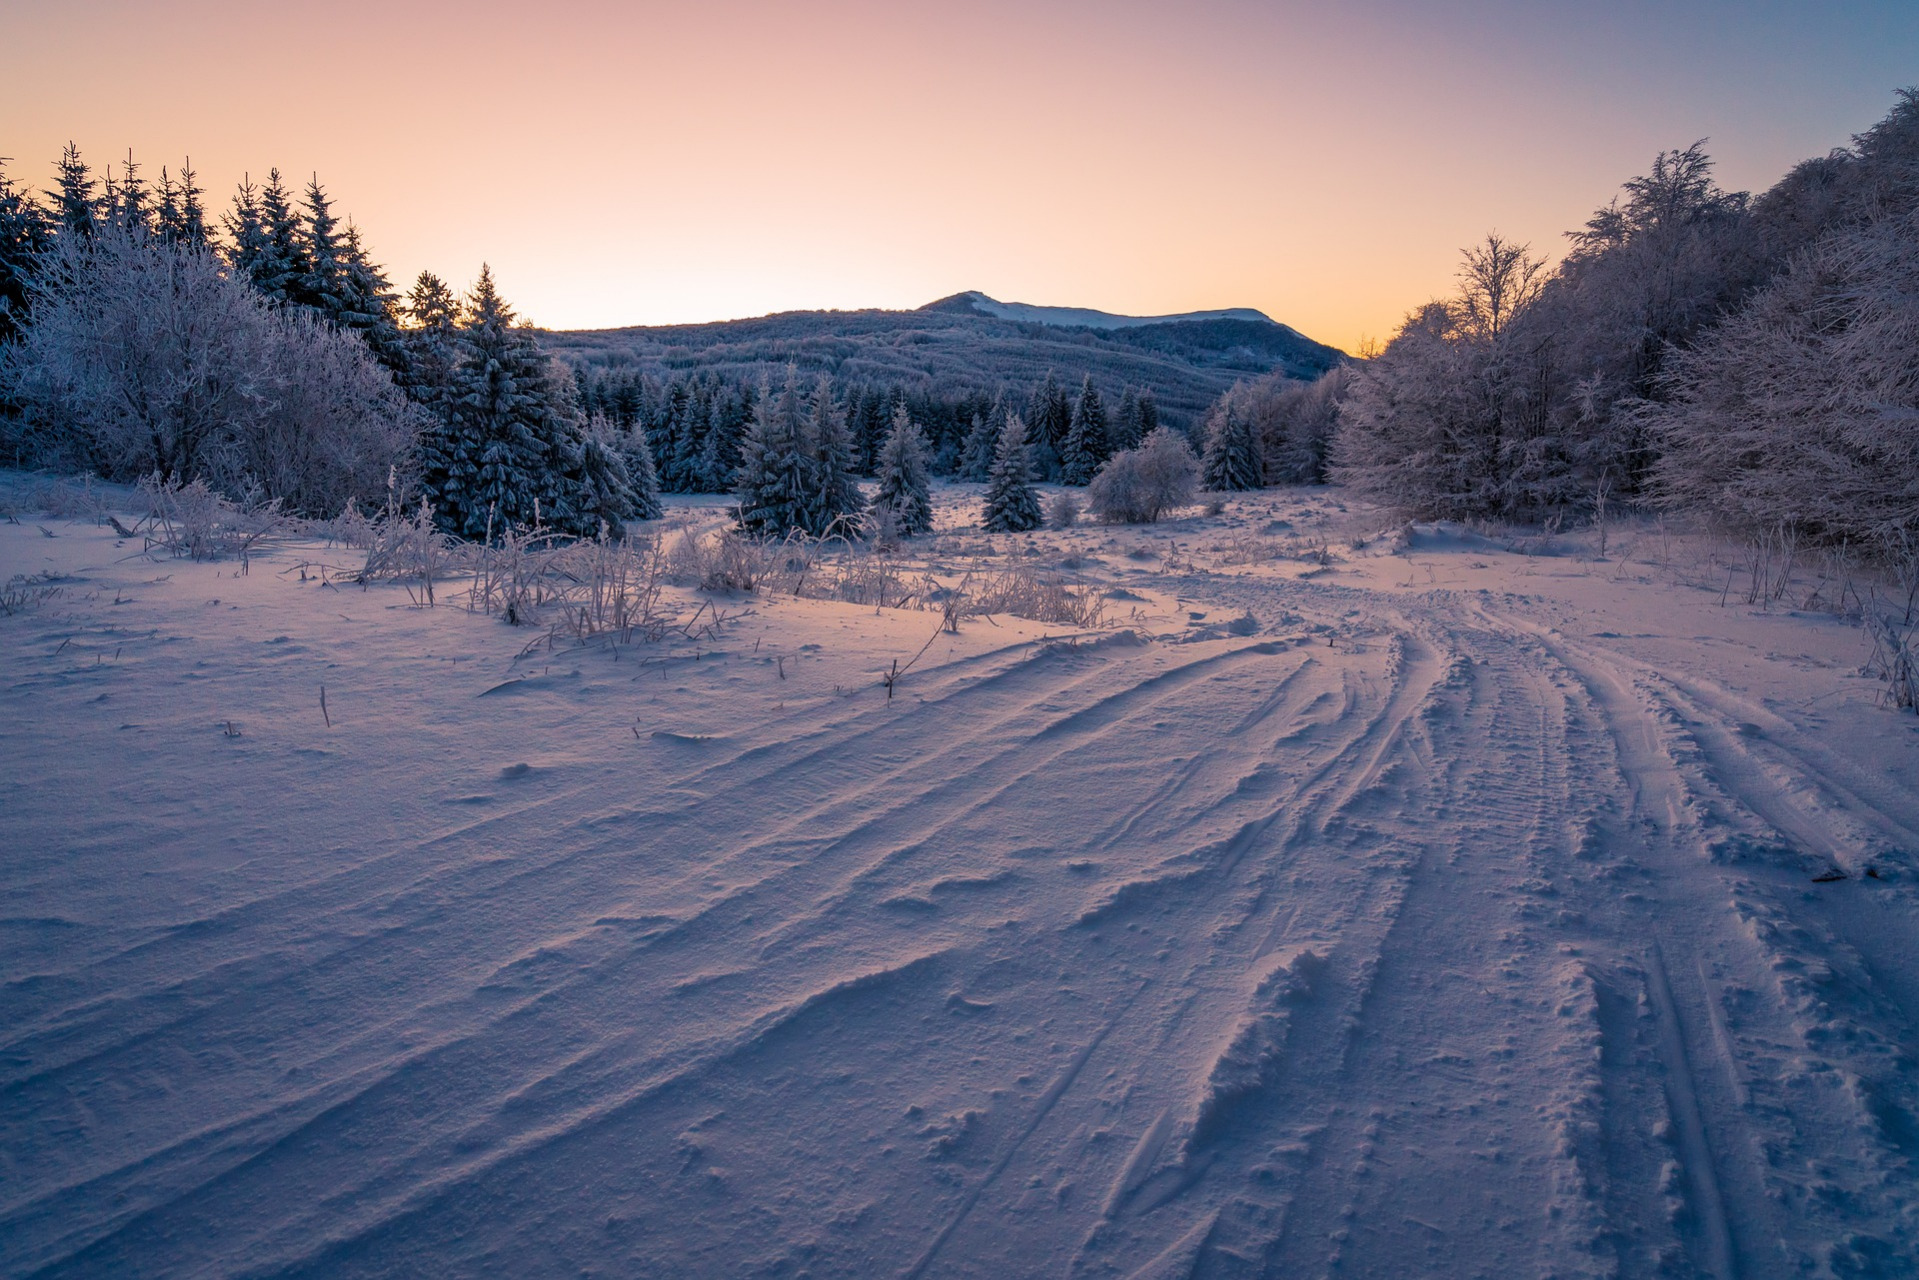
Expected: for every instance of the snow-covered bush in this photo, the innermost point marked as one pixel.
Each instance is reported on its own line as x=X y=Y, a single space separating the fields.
x=145 y=357
x=1140 y=485
x=1062 y=510
x=1802 y=411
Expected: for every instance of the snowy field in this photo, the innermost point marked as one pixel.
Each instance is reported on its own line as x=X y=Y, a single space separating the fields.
x=1436 y=905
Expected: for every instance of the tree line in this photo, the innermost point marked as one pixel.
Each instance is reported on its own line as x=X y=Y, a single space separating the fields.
x=1750 y=359
x=266 y=352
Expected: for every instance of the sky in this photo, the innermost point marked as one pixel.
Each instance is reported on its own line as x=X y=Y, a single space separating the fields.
x=644 y=163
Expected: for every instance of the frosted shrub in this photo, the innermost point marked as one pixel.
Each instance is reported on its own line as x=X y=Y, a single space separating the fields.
x=146 y=358
x=1143 y=484
x=1062 y=510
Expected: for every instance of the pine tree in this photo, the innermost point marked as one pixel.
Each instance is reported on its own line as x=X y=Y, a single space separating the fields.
x=638 y=455
x=279 y=266
x=871 y=433
x=192 y=226
x=1085 y=446
x=126 y=200
x=1148 y=415
x=607 y=493
x=905 y=491
x=1050 y=416
x=320 y=282
x=75 y=205
x=1126 y=432
x=369 y=305
x=246 y=233
x=1232 y=462
x=1011 y=506
x=774 y=472
x=514 y=451
x=25 y=233
x=982 y=441
x=837 y=501
x=720 y=454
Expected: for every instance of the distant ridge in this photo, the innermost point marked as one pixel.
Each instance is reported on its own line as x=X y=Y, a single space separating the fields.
x=977 y=303
x=971 y=341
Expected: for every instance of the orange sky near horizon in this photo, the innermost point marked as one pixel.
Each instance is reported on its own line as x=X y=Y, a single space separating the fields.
x=653 y=163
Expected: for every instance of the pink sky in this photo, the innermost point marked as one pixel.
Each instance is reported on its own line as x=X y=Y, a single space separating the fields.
x=643 y=163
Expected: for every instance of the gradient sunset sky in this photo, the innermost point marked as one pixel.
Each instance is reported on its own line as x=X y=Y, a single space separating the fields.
x=647 y=163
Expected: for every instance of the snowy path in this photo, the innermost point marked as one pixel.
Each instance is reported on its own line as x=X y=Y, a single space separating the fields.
x=1410 y=935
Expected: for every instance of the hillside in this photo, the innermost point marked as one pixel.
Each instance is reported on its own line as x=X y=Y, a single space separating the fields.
x=970 y=340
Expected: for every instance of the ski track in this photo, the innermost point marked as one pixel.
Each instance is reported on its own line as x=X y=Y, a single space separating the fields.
x=1457 y=947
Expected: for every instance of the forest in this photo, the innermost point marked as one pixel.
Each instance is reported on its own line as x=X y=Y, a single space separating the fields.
x=1745 y=359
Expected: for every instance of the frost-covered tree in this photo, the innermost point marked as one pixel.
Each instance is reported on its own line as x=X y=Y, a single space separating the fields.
x=905 y=490
x=26 y=233
x=145 y=357
x=775 y=473
x=638 y=456
x=608 y=496
x=1125 y=432
x=179 y=216
x=1802 y=410
x=1141 y=485
x=511 y=450
x=1011 y=506
x=76 y=200
x=837 y=502
x=977 y=453
x=1049 y=417
x=277 y=264
x=1232 y=462
x=1451 y=419
x=1085 y=446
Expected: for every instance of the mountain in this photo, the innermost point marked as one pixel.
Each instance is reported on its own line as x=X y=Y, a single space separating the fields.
x=971 y=341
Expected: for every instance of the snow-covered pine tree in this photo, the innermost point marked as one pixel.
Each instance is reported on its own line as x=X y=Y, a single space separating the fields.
x=837 y=501
x=638 y=455
x=982 y=441
x=607 y=497
x=514 y=426
x=1085 y=446
x=26 y=232
x=905 y=491
x=774 y=472
x=246 y=234
x=279 y=266
x=448 y=459
x=1011 y=506
x=191 y=228
x=126 y=200
x=1232 y=462
x=76 y=205
x=1148 y=415
x=320 y=282
x=370 y=305
x=720 y=454
x=1125 y=432
x=1049 y=417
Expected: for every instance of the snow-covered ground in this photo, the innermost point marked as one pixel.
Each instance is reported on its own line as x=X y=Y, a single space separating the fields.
x=1448 y=908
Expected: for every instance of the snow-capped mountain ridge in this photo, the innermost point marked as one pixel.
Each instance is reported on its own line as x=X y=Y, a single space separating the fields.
x=1082 y=317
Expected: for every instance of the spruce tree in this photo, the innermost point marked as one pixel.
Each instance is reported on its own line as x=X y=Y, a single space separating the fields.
x=1125 y=432
x=1085 y=446
x=607 y=494
x=278 y=267
x=369 y=305
x=76 y=207
x=126 y=200
x=514 y=451
x=905 y=491
x=320 y=281
x=246 y=234
x=1011 y=506
x=638 y=455
x=982 y=442
x=837 y=501
x=1050 y=417
x=1148 y=415
x=1232 y=462
x=192 y=226
x=25 y=233
x=774 y=471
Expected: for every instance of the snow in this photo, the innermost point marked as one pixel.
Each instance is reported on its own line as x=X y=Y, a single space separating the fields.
x=1357 y=901
x=1088 y=318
